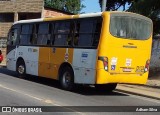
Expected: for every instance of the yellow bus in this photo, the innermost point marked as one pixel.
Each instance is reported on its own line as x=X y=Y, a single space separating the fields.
x=100 y=49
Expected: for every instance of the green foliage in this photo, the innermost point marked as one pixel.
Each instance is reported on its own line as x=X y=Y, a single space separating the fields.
x=149 y=8
x=72 y=6
x=113 y=5
x=145 y=7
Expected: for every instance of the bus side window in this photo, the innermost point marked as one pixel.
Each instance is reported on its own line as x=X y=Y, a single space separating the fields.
x=26 y=34
x=43 y=37
x=97 y=31
x=49 y=34
x=85 y=33
x=13 y=36
x=52 y=27
x=61 y=33
x=33 y=39
x=70 y=34
x=76 y=33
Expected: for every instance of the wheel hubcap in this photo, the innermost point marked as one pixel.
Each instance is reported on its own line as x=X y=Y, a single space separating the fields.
x=66 y=78
x=21 y=69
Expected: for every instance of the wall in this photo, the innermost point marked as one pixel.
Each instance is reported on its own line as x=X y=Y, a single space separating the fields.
x=18 y=6
x=47 y=12
x=4 y=28
x=155 y=57
x=21 y=6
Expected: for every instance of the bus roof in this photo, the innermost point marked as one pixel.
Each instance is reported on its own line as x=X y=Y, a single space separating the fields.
x=60 y=18
x=71 y=17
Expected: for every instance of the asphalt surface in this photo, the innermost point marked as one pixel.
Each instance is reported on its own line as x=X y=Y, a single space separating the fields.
x=35 y=91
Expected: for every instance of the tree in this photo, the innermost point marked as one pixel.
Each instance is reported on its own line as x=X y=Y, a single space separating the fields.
x=116 y=4
x=72 y=6
x=149 y=8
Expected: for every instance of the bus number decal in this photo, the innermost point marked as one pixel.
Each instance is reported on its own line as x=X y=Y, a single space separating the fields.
x=113 y=63
x=140 y=69
x=84 y=56
x=113 y=67
x=66 y=57
x=128 y=62
x=32 y=50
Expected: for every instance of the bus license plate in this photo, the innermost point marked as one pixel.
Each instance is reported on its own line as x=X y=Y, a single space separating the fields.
x=127 y=69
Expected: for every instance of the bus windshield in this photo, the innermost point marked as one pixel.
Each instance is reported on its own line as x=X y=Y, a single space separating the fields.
x=130 y=27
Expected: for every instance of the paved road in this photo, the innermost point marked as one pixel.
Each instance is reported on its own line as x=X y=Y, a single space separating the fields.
x=35 y=91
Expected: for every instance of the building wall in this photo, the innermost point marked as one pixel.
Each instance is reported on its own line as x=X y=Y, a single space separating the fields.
x=16 y=7
x=51 y=13
x=4 y=28
x=30 y=7
x=155 y=57
x=21 y=6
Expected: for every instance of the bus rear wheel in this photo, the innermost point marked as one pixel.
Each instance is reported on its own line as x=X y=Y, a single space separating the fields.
x=106 y=87
x=21 y=69
x=67 y=78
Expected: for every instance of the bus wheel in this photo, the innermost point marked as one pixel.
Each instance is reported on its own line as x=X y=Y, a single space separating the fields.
x=106 y=87
x=67 y=78
x=21 y=69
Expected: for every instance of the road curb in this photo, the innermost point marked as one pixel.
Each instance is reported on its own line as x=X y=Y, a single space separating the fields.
x=144 y=86
x=136 y=93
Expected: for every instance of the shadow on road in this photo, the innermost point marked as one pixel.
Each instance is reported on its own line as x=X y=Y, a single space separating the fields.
x=80 y=89
x=3 y=70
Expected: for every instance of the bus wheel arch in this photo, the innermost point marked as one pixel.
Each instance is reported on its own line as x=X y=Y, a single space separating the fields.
x=21 y=67
x=66 y=76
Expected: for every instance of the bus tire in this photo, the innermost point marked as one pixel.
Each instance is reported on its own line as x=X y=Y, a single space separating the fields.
x=21 y=69
x=106 y=87
x=67 y=78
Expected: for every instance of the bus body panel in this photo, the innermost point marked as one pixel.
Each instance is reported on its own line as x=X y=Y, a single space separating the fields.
x=11 y=58
x=126 y=58
x=44 y=62
x=84 y=64
x=30 y=56
x=50 y=60
x=104 y=77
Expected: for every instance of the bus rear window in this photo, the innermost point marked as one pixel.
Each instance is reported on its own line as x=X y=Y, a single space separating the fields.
x=130 y=27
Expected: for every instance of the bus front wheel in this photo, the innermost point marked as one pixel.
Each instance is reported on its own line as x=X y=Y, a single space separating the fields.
x=21 y=69
x=67 y=78
x=106 y=87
